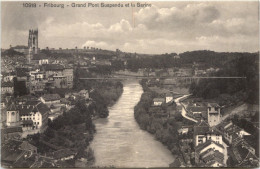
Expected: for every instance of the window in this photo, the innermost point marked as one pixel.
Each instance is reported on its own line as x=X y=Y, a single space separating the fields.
x=209 y=108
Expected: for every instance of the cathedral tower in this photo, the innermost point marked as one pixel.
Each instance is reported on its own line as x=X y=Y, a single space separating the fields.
x=32 y=43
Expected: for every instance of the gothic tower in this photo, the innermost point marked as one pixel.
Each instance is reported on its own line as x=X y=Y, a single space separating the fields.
x=32 y=43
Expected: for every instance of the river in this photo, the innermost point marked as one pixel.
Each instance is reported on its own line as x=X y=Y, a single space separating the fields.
x=119 y=141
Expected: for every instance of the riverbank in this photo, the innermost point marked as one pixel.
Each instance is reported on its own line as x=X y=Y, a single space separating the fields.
x=72 y=132
x=164 y=125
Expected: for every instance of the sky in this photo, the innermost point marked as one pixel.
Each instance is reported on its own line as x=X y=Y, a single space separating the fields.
x=164 y=27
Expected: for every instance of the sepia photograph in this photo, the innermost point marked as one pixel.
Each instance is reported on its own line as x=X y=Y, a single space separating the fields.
x=129 y=84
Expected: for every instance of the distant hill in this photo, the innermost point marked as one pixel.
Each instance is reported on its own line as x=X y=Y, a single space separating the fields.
x=11 y=52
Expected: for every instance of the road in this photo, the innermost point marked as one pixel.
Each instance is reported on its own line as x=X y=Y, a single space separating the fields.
x=236 y=110
x=183 y=111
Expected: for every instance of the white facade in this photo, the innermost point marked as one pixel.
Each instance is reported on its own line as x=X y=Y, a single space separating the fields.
x=12 y=118
x=157 y=103
x=243 y=133
x=35 y=117
x=199 y=139
x=168 y=99
x=215 y=137
x=183 y=130
x=214 y=147
x=8 y=78
x=9 y=90
x=43 y=61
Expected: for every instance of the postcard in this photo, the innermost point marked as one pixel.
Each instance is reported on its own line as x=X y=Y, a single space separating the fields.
x=129 y=84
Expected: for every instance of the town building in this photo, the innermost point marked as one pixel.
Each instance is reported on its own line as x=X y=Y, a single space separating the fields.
x=214 y=116
x=8 y=77
x=30 y=115
x=232 y=132
x=168 y=98
x=34 y=115
x=21 y=49
x=68 y=74
x=40 y=59
x=58 y=76
x=7 y=87
x=50 y=99
x=16 y=154
x=209 y=154
x=158 y=101
x=12 y=116
x=199 y=132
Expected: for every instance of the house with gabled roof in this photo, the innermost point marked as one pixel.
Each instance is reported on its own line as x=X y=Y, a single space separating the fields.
x=232 y=133
x=50 y=99
x=168 y=97
x=203 y=132
x=200 y=130
x=34 y=115
x=209 y=154
x=30 y=115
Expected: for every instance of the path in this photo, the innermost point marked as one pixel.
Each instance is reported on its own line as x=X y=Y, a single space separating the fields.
x=183 y=111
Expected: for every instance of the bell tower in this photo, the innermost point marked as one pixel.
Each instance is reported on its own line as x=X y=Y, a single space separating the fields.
x=32 y=43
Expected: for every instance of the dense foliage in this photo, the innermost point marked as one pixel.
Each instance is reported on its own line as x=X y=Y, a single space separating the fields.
x=245 y=66
x=164 y=129
x=103 y=92
x=162 y=61
x=74 y=129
